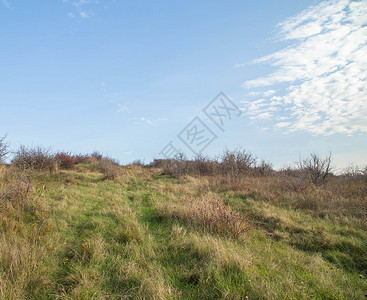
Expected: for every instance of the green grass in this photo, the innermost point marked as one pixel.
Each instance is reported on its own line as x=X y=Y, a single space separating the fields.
x=116 y=240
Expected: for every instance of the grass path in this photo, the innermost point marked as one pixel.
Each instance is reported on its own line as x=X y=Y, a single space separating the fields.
x=110 y=240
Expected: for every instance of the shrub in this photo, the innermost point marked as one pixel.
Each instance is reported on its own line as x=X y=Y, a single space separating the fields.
x=97 y=155
x=3 y=149
x=354 y=173
x=16 y=188
x=232 y=163
x=202 y=166
x=316 y=168
x=213 y=215
x=237 y=162
x=81 y=158
x=138 y=162
x=108 y=167
x=35 y=158
x=263 y=168
x=168 y=166
x=66 y=160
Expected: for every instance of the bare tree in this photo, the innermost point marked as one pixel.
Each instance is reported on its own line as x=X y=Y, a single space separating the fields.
x=4 y=149
x=318 y=169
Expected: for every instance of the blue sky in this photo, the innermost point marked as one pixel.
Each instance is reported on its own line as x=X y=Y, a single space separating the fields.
x=126 y=77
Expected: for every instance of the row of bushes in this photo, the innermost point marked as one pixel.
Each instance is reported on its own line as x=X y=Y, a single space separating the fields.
x=39 y=158
x=313 y=169
x=235 y=163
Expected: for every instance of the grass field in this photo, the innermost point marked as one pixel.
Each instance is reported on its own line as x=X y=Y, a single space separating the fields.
x=78 y=235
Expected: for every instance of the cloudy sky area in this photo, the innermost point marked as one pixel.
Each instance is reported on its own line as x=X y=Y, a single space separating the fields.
x=125 y=77
x=325 y=71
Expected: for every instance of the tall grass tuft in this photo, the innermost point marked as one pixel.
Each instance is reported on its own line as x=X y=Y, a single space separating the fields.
x=23 y=223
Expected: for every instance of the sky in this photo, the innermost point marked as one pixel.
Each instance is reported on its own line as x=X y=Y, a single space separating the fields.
x=146 y=79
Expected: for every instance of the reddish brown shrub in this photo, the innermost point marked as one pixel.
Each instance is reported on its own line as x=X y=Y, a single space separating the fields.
x=66 y=160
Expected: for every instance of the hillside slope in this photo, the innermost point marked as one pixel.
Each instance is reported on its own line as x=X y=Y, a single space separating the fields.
x=81 y=236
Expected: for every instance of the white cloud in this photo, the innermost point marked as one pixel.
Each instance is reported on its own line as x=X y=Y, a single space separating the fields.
x=282 y=124
x=264 y=115
x=325 y=70
x=269 y=93
x=252 y=94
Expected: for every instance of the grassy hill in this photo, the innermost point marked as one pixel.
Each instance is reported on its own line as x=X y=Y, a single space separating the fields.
x=141 y=234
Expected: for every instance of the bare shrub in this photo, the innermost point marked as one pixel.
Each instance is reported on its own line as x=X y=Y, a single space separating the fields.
x=138 y=162
x=202 y=166
x=237 y=162
x=4 y=149
x=168 y=166
x=316 y=168
x=354 y=173
x=34 y=158
x=108 y=167
x=157 y=163
x=293 y=179
x=16 y=188
x=233 y=163
x=263 y=168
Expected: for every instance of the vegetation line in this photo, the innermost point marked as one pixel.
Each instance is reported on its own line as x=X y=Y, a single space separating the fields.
x=177 y=230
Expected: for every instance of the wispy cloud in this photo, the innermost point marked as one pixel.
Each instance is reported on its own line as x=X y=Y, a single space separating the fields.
x=84 y=14
x=123 y=108
x=81 y=8
x=143 y=120
x=325 y=71
x=5 y=3
x=103 y=87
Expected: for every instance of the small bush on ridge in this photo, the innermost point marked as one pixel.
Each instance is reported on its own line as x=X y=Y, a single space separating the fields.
x=34 y=158
x=108 y=167
x=66 y=160
x=316 y=168
x=3 y=149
